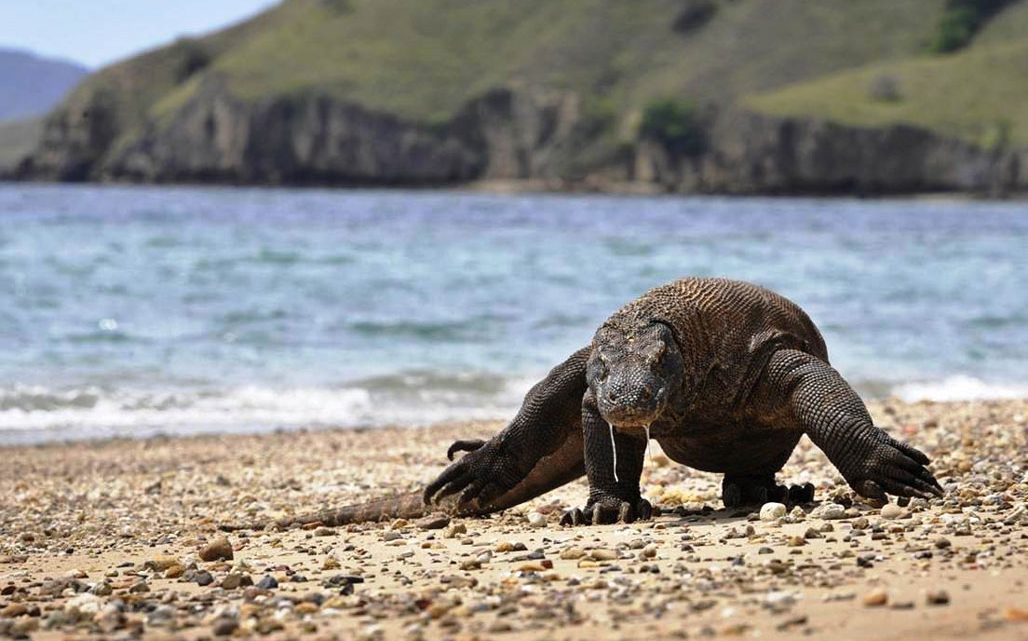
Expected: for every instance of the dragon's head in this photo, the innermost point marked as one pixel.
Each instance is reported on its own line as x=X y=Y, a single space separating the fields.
x=633 y=372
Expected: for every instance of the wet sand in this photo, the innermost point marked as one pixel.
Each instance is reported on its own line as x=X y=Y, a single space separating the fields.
x=105 y=539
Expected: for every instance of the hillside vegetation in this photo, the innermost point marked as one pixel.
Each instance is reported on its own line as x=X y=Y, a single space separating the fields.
x=395 y=91
x=979 y=94
x=424 y=59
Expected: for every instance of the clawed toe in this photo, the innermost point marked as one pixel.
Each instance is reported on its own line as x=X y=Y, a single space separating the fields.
x=468 y=445
x=737 y=491
x=608 y=511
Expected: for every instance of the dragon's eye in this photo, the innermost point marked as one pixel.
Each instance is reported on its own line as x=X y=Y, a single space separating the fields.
x=656 y=352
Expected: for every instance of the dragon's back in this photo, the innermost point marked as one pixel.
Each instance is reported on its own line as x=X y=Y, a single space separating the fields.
x=723 y=321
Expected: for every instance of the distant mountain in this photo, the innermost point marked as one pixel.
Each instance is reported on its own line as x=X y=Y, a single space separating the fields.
x=31 y=85
x=738 y=96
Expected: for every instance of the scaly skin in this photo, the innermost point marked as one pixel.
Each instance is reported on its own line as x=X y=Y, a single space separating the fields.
x=725 y=375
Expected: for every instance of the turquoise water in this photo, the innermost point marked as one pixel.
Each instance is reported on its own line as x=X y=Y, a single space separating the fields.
x=142 y=310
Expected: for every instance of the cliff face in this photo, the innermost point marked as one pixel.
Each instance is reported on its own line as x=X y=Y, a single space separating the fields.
x=311 y=138
x=750 y=153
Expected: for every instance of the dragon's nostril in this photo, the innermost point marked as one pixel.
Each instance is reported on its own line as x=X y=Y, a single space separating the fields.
x=645 y=394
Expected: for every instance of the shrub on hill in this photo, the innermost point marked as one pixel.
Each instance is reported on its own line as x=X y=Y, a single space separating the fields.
x=674 y=124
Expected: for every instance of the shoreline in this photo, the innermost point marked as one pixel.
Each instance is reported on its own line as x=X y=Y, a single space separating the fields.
x=104 y=537
x=548 y=187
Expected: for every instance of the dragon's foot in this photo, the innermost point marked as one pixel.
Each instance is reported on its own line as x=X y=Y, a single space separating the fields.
x=604 y=509
x=737 y=490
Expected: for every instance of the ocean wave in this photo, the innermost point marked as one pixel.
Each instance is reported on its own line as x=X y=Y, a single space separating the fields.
x=959 y=388
x=37 y=413
x=30 y=414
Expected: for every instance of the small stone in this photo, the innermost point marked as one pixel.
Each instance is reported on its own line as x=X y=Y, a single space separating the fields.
x=603 y=554
x=1015 y=614
x=572 y=553
x=174 y=571
x=14 y=610
x=531 y=566
x=942 y=543
x=876 y=598
x=103 y=588
x=433 y=522
x=536 y=520
x=796 y=541
x=306 y=608
x=139 y=587
x=330 y=563
x=937 y=597
x=83 y=606
x=456 y=530
x=162 y=563
x=203 y=577
x=267 y=582
x=829 y=512
x=772 y=511
x=218 y=549
x=224 y=626
x=324 y=531
x=236 y=580
x=891 y=511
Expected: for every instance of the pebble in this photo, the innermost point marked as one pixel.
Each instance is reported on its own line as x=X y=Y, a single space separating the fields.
x=204 y=577
x=891 y=511
x=829 y=512
x=937 y=597
x=224 y=626
x=536 y=520
x=603 y=554
x=433 y=522
x=14 y=610
x=217 y=550
x=876 y=598
x=267 y=582
x=772 y=511
x=139 y=587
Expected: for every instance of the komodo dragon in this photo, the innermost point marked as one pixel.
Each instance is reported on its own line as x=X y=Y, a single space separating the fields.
x=725 y=375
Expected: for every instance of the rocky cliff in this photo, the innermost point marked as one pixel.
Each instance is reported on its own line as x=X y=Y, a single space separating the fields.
x=506 y=134
x=750 y=153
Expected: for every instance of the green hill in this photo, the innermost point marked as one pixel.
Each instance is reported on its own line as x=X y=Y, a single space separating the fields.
x=398 y=86
x=979 y=94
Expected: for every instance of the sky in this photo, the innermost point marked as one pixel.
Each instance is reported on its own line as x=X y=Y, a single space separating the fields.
x=98 y=32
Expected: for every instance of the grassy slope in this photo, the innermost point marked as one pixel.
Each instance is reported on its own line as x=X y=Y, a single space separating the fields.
x=979 y=94
x=423 y=59
x=17 y=137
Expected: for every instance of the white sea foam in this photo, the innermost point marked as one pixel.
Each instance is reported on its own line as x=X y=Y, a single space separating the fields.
x=959 y=388
x=37 y=414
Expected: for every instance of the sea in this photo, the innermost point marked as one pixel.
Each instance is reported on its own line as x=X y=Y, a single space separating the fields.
x=138 y=311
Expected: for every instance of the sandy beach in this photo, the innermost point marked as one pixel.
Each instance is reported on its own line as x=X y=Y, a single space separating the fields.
x=107 y=539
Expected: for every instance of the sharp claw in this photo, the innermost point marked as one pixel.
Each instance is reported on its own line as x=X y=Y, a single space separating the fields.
x=472 y=492
x=645 y=511
x=870 y=489
x=453 y=487
x=469 y=445
x=625 y=513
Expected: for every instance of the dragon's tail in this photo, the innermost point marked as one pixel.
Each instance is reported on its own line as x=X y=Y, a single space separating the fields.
x=405 y=506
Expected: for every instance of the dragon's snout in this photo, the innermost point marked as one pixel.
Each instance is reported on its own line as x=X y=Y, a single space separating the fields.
x=631 y=403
